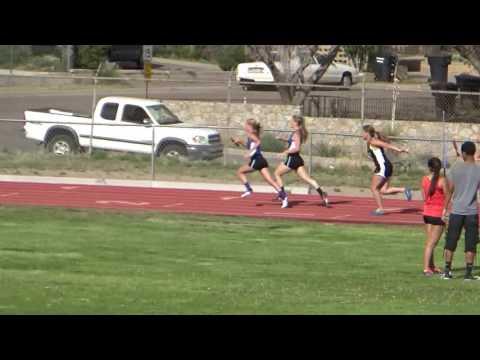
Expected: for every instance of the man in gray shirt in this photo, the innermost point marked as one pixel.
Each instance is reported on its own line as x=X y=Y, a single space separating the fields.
x=464 y=181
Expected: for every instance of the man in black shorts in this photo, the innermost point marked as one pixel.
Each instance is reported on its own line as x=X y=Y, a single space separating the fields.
x=464 y=181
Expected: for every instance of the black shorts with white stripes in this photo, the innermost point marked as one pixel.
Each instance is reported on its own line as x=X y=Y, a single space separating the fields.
x=258 y=163
x=294 y=161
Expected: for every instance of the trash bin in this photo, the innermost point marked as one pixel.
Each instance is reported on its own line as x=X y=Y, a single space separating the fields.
x=444 y=102
x=385 y=68
x=469 y=83
x=439 y=68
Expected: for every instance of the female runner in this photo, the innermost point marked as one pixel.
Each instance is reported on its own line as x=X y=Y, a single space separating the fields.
x=294 y=161
x=256 y=161
x=376 y=145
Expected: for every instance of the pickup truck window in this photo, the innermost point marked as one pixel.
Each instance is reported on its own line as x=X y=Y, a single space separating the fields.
x=134 y=114
x=109 y=111
x=162 y=115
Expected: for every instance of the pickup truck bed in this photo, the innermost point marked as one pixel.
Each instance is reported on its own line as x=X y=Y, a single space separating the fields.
x=59 y=112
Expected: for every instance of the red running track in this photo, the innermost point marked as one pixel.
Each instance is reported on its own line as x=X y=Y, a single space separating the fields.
x=344 y=209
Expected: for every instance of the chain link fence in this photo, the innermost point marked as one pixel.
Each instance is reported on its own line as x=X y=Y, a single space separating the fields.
x=396 y=104
x=215 y=101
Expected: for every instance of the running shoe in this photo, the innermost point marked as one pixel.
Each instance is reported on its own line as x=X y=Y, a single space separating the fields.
x=324 y=197
x=428 y=273
x=377 y=212
x=408 y=194
x=436 y=270
x=285 y=203
x=246 y=193
x=447 y=275
x=280 y=196
x=470 y=277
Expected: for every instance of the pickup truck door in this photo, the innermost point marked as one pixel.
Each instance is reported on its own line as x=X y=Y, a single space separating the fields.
x=132 y=131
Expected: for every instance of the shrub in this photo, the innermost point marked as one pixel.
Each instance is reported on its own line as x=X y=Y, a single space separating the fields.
x=325 y=150
x=44 y=63
x=194 y=52
x=271 y=144
x=108 y=70
x=90 y=56
x=21 y=53
x=230 y=56
x=39 y=50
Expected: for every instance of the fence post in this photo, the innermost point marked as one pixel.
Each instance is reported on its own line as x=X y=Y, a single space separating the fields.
x=394 y=104
x=152 y=169
x=362 y=101
x=444 y=142
x=362 y=116
x=229 y=101
x=94 y=100
x=310 y=151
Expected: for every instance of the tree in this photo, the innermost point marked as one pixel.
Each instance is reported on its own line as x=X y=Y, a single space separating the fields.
x=471 y=53
x=294 y=60
x=90 y=56
x=230 y=56
x=361 y=55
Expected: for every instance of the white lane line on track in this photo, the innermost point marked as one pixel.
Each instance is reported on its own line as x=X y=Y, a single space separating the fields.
x=9 y=194
x=173 y=205
x=69 y=187
x=226 y=198
x=106 y=202
x=340 y=217
x=286 y=214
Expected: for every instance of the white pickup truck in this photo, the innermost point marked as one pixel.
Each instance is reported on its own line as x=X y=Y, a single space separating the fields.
x=172 y=137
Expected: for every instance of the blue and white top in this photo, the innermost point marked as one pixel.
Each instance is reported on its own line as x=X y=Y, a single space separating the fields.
x=254 y=148
x=291 y=144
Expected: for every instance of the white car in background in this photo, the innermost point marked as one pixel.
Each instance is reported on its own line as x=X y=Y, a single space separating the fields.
x=258 y=72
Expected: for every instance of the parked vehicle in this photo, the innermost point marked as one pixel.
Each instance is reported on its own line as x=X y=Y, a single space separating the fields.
x=171 y=137
x=258 y=72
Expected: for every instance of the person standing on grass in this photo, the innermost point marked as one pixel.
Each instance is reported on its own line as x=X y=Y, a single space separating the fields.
x=256 y=161
x=376 y=145
x=294 y=161
x=434 y=190
x=464 y=182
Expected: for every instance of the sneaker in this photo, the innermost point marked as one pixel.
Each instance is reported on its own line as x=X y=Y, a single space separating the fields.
x=436 y=270
x=408 y=194
x=447 y=275
x=325 y=201
x=280 y=196
x=428 y=273
x=470 y=277
x=377 y=212
x=246 y=193
x=285 y=203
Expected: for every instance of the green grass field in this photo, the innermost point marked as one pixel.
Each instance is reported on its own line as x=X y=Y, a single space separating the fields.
x=55 y=261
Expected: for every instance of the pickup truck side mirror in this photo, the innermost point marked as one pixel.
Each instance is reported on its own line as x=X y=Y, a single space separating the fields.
x=147 y=121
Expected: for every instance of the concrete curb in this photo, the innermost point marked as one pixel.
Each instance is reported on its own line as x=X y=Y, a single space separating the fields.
x=145 y=183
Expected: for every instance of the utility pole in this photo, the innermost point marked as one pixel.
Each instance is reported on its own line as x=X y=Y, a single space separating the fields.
x=12 y=58
x=69 y=57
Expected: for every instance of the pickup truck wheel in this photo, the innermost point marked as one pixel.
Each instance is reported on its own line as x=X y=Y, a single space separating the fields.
x=62 y=145
x=174 y=151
